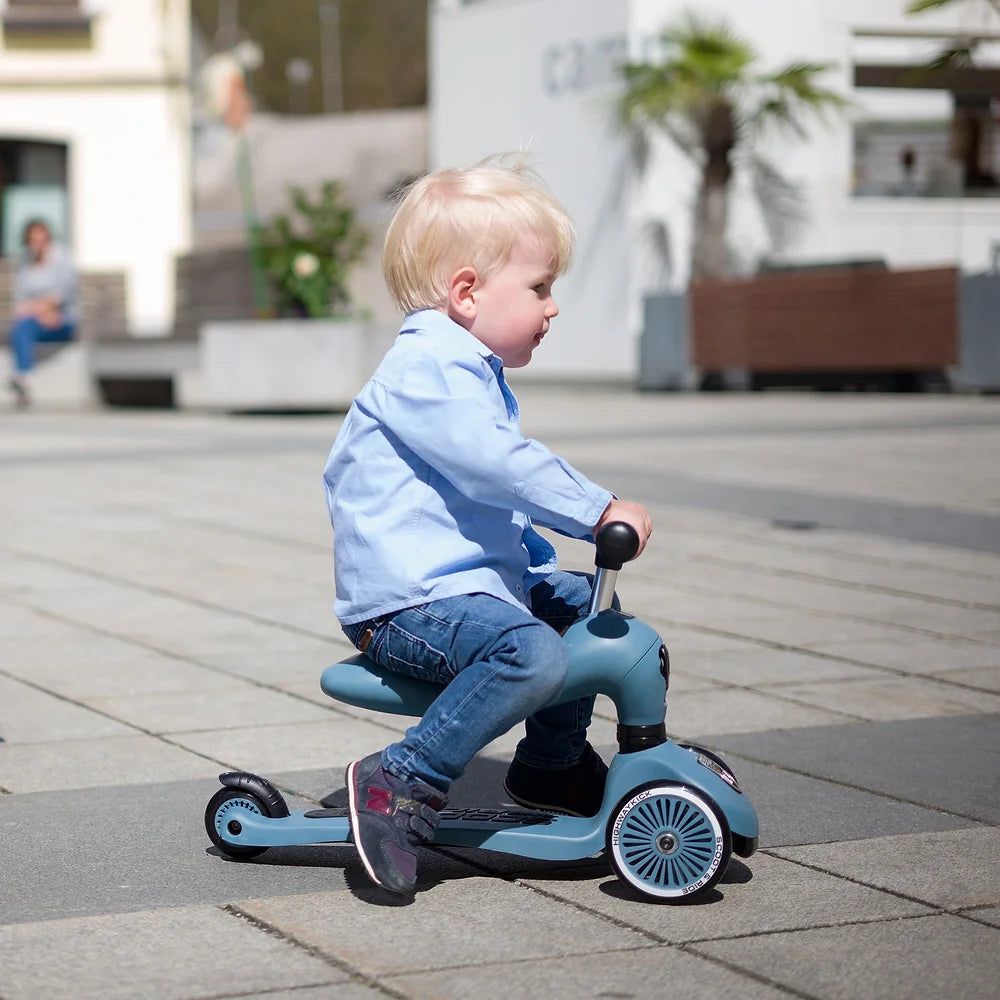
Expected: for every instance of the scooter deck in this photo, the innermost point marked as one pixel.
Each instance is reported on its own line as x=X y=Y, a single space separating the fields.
x=546 y=836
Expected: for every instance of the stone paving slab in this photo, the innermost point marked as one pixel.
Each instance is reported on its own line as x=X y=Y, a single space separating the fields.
x=647 y=973
x=331 y=743
x=889 y=698
x=917 y=654
x=81 y=666
x=759 y=896
x=238 y=705
x=988 y=915
x=161 y=560
x=797 y=808
x=490 y=920
x=742 y=711
x=950 y=869
x=28 y=715
x=93 y=763
x=950 y=764
x=87 y=852
x=762 y=668
x=985 y=679
x=182 y=953
x=923 y=958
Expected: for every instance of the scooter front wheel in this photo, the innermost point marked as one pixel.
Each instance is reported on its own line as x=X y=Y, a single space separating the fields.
x=217 y=819
x=669 y=842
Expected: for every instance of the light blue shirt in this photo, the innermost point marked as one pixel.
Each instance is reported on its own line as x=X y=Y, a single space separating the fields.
x=432 y=487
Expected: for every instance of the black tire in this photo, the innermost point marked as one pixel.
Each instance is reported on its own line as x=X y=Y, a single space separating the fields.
x=215 y=819
x=669 y=842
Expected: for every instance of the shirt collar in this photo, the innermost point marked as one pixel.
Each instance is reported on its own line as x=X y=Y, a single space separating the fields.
x=439 y=323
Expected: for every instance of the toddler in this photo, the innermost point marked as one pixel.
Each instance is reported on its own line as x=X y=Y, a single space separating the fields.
x=433 y=491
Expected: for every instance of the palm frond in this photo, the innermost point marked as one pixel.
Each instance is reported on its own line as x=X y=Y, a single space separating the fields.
x=782 y=202
x=791 y=97
x=920 y=6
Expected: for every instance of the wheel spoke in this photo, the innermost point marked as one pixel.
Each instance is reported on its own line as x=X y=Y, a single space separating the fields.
x=667 y=842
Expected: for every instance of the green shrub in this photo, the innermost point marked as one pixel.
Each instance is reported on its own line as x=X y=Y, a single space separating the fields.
x=308 y=254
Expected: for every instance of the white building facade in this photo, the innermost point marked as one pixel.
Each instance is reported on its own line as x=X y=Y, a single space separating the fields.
x=95 y=134
x=879 y=181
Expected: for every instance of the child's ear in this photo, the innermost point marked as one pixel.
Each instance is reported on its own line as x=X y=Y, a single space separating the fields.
x=461 y=297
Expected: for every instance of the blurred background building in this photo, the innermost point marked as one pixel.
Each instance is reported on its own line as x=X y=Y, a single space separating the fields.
x=910 y=173
x=95 y=135
x=107 y=128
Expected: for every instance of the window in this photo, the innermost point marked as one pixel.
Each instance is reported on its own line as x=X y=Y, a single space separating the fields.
x=40 y=23
x=921 y=132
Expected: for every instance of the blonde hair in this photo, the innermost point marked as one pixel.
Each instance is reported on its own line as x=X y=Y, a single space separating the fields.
x=470 y=216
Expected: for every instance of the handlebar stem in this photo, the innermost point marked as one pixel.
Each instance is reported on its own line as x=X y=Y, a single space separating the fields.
x=604 y=590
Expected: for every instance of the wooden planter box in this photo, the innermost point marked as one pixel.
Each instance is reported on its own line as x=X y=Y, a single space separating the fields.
x=783 y=326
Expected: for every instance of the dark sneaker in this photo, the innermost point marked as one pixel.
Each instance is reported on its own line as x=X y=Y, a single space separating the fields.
x=390 y=819
x=577 y=790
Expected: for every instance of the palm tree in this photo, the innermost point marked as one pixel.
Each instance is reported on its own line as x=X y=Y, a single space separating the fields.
x=708 y=96
x=961 y=52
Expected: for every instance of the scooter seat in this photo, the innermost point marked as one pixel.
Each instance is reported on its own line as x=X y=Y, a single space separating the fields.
x=362 y=682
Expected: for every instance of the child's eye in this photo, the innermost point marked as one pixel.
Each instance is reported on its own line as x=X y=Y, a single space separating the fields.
x=540 y=289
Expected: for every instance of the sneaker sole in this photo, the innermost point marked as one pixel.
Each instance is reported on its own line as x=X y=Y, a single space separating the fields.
x=352 y=805
x=541 y=807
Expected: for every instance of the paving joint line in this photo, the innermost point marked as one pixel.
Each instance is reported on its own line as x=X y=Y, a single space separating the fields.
x=181 y=658
x=936 y=908
x=832 y=581
x=270 y=991
x=784 y=647
x=789 y=542
x=141 y=730
x=199 y=602
x=333 y=961
x=661 y=941
x=149 y=588
x=333 y=710
x=784 y=605
x=976 y=820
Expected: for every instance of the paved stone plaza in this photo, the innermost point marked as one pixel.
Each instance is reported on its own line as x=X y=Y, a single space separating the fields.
x=825 y=570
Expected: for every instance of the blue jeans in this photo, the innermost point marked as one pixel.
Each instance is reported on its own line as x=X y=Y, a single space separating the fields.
x=500 y=663
x=27 y=332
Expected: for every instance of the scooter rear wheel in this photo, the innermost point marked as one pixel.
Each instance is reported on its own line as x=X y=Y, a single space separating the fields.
x=217 y=820
x=669 y=842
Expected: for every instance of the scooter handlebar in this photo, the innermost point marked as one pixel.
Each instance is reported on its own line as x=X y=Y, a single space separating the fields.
x=617 y=543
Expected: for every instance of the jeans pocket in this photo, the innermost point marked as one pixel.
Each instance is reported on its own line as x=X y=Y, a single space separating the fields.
x=362 y=634
x=405 y=653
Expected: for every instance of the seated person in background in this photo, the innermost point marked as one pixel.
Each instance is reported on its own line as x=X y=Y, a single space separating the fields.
x=44 y=303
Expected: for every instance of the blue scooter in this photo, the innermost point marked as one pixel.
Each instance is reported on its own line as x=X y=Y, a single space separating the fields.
x=673 y=814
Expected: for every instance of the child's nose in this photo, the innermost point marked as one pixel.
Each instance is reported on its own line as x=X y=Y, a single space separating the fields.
x=552 y=309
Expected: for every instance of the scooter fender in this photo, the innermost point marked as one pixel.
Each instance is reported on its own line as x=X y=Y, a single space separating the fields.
x=669 y=762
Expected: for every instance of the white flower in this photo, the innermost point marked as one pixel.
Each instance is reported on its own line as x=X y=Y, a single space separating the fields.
x=305 y=265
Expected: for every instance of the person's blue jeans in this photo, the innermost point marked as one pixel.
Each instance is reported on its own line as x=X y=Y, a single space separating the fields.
x=27 y=332
x=500 y=663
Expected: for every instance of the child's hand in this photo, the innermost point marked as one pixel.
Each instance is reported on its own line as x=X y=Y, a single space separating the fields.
x=633 y=514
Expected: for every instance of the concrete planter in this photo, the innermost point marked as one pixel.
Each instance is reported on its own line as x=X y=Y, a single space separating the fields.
x=663 y=344
x=979 y=333
x=288 y=364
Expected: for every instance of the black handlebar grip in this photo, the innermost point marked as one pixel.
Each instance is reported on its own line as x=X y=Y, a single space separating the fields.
x=617 y=542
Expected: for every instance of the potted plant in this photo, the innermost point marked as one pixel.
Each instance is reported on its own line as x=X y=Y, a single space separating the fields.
x=307 y=257
x=314 y=350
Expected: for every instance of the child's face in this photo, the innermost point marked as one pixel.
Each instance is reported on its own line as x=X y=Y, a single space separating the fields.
x=514 y=305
